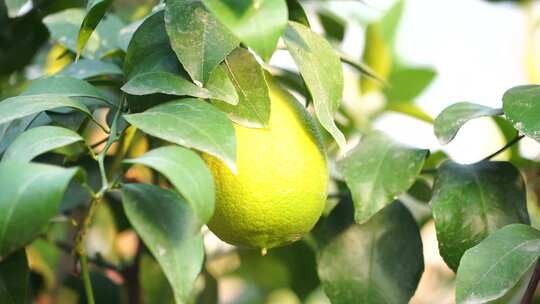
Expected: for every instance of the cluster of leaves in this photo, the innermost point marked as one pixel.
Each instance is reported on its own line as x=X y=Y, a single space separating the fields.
x=162 y=89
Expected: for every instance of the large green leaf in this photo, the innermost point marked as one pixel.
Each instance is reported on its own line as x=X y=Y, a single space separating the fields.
x=320 y=67
x=68 y=86
x=192 y=123
x=378 y=170
x=95 y=12
x=64 y=28
x=29 y=191
x=188 y=174
x=451 y=119
x=198 y=39
x=521 y=107
x=169 y=83
x=490 y=269
x=21 y=106
x=39 y=140
x=472 y=201
x=87 y=68
x=166 y=224
x=14 y=274
x=149 y=49
x=247 y=76
x=257 y=23
x=379 y=261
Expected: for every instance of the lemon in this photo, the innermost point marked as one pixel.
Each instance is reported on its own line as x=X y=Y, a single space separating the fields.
x=279 y=190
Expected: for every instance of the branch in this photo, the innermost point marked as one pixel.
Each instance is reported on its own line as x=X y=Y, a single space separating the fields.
x=81 y=251
x=508 y=145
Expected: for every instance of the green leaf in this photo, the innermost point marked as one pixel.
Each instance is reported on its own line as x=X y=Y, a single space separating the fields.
x=168 y=83
x=377 y=56
x=521 y=107
x=297 y=13
x=192 y=123
x=409 y=109
x=257 y=23
x=68 y=86
x=95 y=12
x=390 y=22
x=290 y=80
x=451 y=119
x=126 y=33
x=187 y=173
x=321 y=68
x=21 y=106
x=421 y=190
x=87 y=68
x=377 y=262
x=406 y=83
x=64 y=28
x=166 y=225
x=39 y=140
x=149 y=49
x=378 y=170
x=198 y=39
x=28 y=191
x=472 y=201
x=10 y=130
x=14 y=275
x=493 y=267
x=290 y=267
x=221 y=85
x=154 y=285
x=14 y=7
x=247 y=76
x=333 y=25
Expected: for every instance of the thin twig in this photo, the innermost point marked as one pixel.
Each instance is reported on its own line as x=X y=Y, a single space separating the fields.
x=97 y=260
x=99 y=142
x=508 y=145
x=86 y=279
x=83 y=230
x=112 y=138
x=80 y=249
x=362 y=68
x=533 y=283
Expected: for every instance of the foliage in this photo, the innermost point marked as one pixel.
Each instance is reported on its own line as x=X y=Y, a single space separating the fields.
x=104 y=195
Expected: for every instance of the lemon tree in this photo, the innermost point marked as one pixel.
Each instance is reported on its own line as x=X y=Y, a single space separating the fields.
x=204 y=151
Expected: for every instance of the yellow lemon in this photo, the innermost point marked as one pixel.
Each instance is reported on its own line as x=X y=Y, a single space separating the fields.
x=279 y=191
